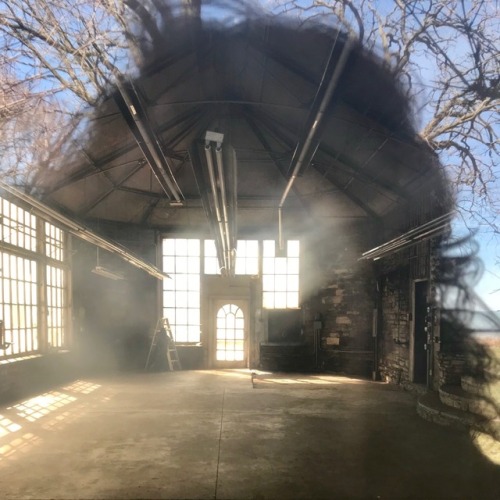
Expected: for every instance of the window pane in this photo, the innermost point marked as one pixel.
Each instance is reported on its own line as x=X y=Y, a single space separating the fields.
x=181 y=247
x=194 y=300
x=268 y=300
x=268 y=266
x=293 y=248
x=194 y=318
x=292 y=283
x=168 y=247
x=169 y=264
x=193 y=248
x=280 y=282
x=252 y=265
x=280 y=300
x=193 y=282
x=268 y=248
x=193 y=265
x=181 y=299
x=210 y=250
x=292 y=299
x=181 y=316
x=280 y=265
x=211 y=265
x=181 y=281
x=268 y=283
x=168 y=298
x=293 y=266
x=181 y=265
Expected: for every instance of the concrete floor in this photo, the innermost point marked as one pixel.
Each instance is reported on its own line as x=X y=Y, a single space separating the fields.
x=214 y=434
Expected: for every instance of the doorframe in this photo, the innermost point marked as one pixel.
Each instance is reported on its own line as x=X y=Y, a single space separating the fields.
x=412 y=336
x=215 y=303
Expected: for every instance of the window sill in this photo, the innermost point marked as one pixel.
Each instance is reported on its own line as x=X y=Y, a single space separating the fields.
x=17 y=359
x=20 y=358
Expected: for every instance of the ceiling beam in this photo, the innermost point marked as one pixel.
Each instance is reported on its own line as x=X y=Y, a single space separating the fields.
x=97 y=164
x=274 y=157
x=102 y=197
x=149 y=211
x=344 y=163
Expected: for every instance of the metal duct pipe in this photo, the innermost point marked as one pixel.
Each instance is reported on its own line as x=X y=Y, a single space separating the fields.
x=411 y=237
x=150 y=146
x=222 y=184
x=281 y=243
x=213 y=185
x=233 y=213
x=325 y=101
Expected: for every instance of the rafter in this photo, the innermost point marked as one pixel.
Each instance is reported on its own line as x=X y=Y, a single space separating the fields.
x=281 y=168
x=98 y=164
x=103 y=196
x=358 y=201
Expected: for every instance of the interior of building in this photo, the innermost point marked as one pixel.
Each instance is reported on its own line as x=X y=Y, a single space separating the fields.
x=221 y=290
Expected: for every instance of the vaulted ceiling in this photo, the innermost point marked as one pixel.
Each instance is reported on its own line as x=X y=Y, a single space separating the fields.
x=291 y=102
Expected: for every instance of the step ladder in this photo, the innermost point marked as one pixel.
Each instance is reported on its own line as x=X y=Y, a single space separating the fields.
x=163 y=339
x=174 y=363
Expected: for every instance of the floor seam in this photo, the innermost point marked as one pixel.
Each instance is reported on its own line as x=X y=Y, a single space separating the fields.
x=220 y=439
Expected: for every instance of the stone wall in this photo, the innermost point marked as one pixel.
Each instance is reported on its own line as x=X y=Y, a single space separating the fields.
x=451 y=368
x=394 y=335
x=338 y=313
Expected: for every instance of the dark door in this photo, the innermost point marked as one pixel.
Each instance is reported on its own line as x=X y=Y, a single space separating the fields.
x=420 y=344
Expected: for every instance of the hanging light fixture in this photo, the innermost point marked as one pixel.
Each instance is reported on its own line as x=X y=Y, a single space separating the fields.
x=224 y=198
x=106 y=273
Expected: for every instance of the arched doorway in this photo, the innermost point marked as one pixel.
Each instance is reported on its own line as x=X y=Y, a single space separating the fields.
x=230 y=349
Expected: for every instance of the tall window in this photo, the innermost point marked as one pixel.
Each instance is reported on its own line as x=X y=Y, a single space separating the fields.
x=247 y=257
x=19 y=304
x=280 y=276
x=31 y=260
x=181 y=293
